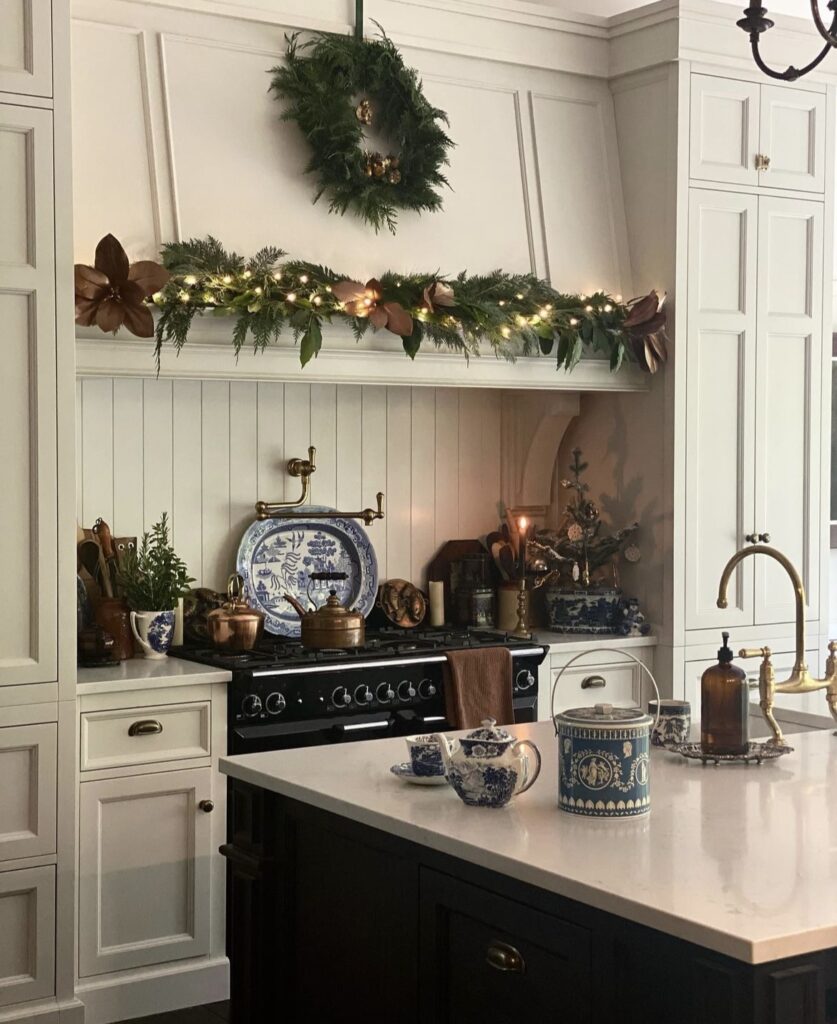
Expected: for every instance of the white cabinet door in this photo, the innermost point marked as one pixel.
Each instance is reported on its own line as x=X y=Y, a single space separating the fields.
x=27 y=934
x=792 y=136
x=724 y=126
x=28 y=625
x=720 y=410
x=25 y=47
x=28 y=790
x=144 y=870
x=788 y=435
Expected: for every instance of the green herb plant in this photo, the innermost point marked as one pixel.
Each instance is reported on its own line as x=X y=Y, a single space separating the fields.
x=153 y=578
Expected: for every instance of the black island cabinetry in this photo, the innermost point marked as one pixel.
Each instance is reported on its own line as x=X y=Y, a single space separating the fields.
x=334 y=921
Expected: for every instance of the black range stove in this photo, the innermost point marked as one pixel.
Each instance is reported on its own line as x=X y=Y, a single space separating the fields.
x=284 y=695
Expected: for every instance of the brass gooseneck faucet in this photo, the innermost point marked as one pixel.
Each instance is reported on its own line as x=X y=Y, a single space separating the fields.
x=800 y=680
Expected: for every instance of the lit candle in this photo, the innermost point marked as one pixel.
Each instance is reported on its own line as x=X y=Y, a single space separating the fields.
x=522 y=526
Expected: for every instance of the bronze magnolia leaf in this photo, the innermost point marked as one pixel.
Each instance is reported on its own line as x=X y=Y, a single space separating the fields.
x=112 y=260
x=150 y=276
x=399 y=320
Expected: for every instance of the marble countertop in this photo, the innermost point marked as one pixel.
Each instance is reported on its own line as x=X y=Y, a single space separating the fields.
x=742 y=860
x=570 y=643
x=147 y=674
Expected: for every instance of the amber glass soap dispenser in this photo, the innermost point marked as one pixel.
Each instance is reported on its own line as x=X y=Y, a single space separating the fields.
x=724 y=706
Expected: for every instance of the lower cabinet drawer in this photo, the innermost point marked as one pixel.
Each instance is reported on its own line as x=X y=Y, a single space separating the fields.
x=27 y=935
x=135 y=736
x=28 y=755
x=488 y=958
x=581 y=684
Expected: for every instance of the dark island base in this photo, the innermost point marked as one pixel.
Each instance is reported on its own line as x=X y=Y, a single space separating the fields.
x=334 y=922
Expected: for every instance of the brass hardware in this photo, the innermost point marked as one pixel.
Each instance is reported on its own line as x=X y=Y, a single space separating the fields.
x=147 y=727
x=764 y=538
x=207 y=806
x=751 y=538
x=304 y=468
x=592 y=681
x=800 y=679
x=762 y=162
x=522 y=627
x=503 y=957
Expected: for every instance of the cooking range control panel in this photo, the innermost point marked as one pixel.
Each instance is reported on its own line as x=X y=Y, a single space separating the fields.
x=261 y=697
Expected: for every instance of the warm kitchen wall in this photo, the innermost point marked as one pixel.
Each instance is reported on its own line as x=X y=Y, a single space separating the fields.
x=206 y=451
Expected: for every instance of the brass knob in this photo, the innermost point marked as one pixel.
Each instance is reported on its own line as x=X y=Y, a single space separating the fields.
x=762 y=162
x=207 y=806
x=751 y=538
x=764 y=538
x=505 y=958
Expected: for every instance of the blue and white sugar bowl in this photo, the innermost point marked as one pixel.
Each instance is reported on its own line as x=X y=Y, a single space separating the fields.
x=603 y=761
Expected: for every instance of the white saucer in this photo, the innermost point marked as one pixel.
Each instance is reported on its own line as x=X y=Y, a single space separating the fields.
x=405 y=772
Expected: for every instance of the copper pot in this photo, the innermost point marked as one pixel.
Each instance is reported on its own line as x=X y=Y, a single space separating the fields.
x=235 y=626
x=330 y=627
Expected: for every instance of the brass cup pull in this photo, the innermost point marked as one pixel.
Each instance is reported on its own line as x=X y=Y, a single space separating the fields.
x=147 y=727
x=207 y=806
x=592 y=682
x=505 y=958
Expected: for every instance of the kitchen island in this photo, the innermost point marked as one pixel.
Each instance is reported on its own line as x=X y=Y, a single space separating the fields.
x=355 y=893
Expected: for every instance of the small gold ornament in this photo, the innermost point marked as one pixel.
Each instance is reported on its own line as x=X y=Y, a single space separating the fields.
x=363 y=112
x=394 y=177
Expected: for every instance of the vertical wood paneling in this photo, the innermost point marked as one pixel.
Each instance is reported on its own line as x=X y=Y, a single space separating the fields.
x=218 y=543
x=399 y=471
x=349 y=448
x=270 y=473
x=244 y=455
x=324 y=438
x=157 y=462
x=79 y=450
x=97 y=443
x=187 y=482
x=422 y=480
x=206 y=451
x=129 y=439
x=373 y=470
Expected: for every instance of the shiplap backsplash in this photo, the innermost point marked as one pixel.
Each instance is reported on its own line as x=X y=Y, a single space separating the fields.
x=206 y=451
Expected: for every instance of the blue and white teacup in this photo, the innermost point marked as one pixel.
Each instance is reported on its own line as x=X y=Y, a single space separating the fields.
x=153 y=632
x=425 y=755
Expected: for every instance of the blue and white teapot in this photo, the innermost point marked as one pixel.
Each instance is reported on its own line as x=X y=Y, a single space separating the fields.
x=489 y=766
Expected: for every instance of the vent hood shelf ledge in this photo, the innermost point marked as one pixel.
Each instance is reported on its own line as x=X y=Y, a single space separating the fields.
x=342 y=361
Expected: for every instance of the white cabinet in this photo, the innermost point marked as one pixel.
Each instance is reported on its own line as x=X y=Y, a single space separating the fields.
x=747 y=133
x=144 y=859
x=598 y=677
x=28 y=496
x=27 y=934
x=27 y=794
x=753 y=406
x=25 y=47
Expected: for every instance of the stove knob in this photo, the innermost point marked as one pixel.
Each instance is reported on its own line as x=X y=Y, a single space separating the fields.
x=341 y=697
x=427 y=689
x=251 y=705
x=363 y=695
x=385 y=693
x=274 y=703
x=406 y=690
x=524 y=679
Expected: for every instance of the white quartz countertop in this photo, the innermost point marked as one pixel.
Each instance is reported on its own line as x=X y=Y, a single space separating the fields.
x=148 y=674
x=742 y=860
x=570 y=643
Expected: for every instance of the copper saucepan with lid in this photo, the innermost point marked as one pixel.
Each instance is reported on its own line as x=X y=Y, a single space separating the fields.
x=332 y=625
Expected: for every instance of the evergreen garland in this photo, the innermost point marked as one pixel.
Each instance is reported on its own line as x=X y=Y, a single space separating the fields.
x=320 y=84
x=515 y=314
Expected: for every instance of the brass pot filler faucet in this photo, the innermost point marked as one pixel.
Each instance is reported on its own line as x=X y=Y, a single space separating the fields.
x=800 y=680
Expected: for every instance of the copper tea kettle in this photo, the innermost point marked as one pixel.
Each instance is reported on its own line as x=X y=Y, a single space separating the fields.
x=235 y=626
x=331 y=626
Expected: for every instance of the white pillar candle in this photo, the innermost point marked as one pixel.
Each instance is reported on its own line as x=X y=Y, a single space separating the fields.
x=437 y=603
x=177 y=638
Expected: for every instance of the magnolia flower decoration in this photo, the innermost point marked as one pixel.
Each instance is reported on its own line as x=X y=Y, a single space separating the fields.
x=367 y=301
x=113 y=291
x=438 y=294
x=645 y=326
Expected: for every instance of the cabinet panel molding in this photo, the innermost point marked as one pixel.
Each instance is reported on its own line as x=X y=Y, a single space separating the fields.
x=724 y=129
x=792 y=135
x=26 y=47
x=28 y=756
x=27 y=934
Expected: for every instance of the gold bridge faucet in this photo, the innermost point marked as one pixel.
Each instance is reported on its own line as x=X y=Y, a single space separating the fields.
x=800 y=680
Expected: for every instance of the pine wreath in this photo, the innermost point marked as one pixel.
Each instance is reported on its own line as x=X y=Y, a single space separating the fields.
x=333 y=86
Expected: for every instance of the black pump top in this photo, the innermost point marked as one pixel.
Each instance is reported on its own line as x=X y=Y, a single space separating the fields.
x=725 y=654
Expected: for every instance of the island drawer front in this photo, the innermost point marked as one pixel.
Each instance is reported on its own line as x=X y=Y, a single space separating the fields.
x=145 y=735
x=485 y=957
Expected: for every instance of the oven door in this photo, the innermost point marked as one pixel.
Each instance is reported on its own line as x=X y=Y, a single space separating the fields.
x=251 y=739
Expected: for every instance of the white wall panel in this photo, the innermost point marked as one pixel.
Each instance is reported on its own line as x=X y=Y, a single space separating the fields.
x=207 y=451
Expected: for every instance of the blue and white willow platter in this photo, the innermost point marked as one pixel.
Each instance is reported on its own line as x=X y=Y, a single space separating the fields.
x=276 y=556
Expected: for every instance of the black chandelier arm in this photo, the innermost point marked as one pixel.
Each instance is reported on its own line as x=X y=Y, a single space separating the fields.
x=791 y=73
x=828 y=34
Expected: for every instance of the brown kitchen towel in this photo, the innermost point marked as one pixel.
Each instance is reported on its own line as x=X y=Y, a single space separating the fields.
x=478 y=685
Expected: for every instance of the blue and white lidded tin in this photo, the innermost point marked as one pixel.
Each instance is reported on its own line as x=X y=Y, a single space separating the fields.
x=603 y=754
x=603 y=761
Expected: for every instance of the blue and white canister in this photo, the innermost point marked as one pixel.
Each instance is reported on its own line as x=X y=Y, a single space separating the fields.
x=603 y=761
